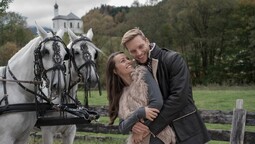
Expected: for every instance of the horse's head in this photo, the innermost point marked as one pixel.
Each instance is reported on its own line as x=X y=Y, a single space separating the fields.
x=49 y=59
x=83 y=55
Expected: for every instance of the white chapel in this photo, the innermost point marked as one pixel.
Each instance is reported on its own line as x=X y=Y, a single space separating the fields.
x=70 y=20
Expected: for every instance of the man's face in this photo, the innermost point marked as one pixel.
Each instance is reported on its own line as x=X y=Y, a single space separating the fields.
x=139 y=48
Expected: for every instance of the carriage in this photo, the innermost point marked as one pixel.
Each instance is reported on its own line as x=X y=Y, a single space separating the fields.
x=38 y=86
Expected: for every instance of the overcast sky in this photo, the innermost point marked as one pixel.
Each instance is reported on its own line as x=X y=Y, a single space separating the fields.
x=42 y=11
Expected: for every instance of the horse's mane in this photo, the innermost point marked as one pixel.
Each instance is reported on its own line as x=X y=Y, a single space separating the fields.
x=28 y=48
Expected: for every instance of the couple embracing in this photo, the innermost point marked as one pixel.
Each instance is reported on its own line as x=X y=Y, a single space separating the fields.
x=154 y=98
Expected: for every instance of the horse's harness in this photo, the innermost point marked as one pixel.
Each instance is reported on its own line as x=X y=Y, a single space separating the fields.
x=88 y=63
x=40 y=73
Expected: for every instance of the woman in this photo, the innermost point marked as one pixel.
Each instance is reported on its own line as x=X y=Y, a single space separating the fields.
x=134 y=96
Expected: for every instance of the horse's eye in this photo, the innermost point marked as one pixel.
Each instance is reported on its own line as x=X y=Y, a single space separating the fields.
x=76 y=53
x=45 y=52
x=67 y=56
x=95 y=56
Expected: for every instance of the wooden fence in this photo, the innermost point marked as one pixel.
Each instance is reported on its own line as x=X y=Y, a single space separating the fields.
x=239 y=118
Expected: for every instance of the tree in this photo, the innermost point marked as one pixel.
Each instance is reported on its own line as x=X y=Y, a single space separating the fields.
x=14 y=35
x=135 y=4
x=198 y=28
x=6 y=52
x=101 y=23
x=151 y=20
x=241 y=45
x=14 y=29
x=4 y=5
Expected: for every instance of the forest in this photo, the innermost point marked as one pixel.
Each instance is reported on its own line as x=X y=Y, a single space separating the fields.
x=216 y=38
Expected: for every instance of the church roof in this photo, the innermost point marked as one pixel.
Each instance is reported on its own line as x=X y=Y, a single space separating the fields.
x=70 y=16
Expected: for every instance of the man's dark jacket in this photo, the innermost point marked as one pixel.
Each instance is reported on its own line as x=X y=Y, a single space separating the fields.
x=179 y=110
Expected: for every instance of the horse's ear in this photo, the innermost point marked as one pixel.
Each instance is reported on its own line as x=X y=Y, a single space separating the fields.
x=60 y=33
x=41 y=32
x=72 y=35
x=90 y=34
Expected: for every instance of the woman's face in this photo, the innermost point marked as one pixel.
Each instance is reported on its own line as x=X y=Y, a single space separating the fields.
x=123 y=66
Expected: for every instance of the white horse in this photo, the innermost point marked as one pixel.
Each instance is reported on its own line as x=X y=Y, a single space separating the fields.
x=43 y=57
x=81 y=66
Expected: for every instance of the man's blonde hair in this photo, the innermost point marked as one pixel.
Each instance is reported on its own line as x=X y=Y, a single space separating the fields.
x=130 y=34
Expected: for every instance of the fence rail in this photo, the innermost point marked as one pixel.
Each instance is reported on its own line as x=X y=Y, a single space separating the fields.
x=239 y=118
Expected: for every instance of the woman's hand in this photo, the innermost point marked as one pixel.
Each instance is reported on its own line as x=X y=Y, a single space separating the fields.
x=151 y=113
x=137 y=138
x=139 y=128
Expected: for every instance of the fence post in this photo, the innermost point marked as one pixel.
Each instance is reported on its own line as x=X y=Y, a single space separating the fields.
x=238 y=123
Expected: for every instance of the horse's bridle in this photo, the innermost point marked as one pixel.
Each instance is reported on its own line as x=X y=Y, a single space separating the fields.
x=88 y=63
x=39 y=70
x=85 y=55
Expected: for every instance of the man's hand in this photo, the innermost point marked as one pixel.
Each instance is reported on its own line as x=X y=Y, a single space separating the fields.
x=140 y=128
x=151 y=113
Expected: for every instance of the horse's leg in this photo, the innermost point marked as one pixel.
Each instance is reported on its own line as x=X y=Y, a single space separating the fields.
x=47 y=135
x=23 y=139
x=69 y=135
x=6 y=139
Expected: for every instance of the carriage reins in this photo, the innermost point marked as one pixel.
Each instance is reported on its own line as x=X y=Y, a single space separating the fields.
x=26 y=89
x=9 y=108
x=21 y=81
x=18 y=82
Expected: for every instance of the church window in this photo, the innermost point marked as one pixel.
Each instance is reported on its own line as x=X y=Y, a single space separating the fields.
x=78 y=25
x=71 y=25
x=64 y=25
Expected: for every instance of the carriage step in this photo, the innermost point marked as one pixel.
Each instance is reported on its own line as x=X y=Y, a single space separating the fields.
x=60 y=121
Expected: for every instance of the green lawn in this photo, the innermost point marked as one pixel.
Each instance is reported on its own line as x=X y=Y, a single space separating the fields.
x=224 y=99
x=212 y=98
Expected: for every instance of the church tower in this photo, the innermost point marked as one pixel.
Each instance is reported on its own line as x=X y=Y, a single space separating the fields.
x=55 y=9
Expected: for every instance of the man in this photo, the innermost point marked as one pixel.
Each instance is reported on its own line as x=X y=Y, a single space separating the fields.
x=172 y=74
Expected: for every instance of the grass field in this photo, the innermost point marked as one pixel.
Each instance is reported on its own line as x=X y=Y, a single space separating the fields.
x=206 y=98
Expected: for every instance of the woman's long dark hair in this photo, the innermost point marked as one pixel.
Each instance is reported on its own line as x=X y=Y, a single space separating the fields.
x=114 y=88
